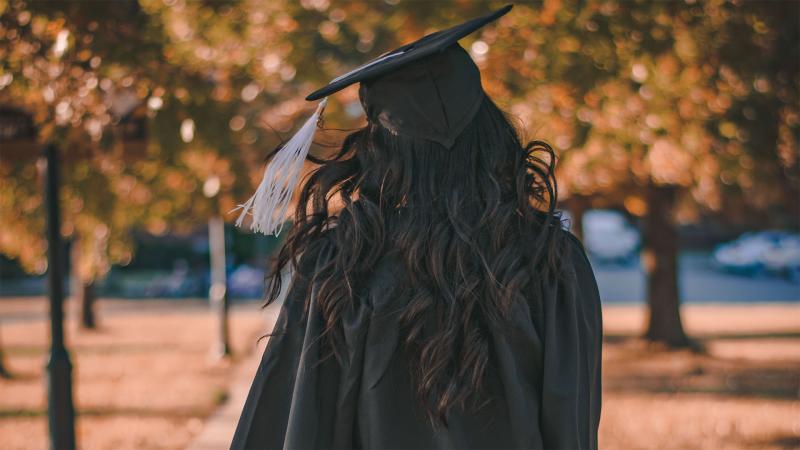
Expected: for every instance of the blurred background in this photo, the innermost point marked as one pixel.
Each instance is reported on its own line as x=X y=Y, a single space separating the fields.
x=676 y=124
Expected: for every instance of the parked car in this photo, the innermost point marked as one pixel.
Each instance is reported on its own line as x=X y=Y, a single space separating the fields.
x=760 y=252
x=784 y=259
x=181 y=282
x=609 y=237
x=247 y=282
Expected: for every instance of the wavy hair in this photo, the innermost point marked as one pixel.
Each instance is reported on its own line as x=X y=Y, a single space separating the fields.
x=475 y=227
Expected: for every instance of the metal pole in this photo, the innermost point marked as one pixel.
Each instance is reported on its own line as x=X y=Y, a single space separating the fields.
x=218 y=292
x=60 y=410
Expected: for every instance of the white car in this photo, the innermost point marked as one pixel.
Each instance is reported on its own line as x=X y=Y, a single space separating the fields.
x=784 y=259
x=609 y=237
x=755 y=253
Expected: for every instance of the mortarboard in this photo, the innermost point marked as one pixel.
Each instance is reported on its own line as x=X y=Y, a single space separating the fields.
x=429 y=89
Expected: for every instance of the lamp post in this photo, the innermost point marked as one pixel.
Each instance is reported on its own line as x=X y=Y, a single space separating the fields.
x=218 y=290
x=60 y=411
x=18 y=136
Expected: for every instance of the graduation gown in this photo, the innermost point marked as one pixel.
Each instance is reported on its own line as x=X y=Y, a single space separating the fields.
x=543 y=381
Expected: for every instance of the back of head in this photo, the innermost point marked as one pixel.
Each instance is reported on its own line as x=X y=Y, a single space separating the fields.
x=473 y=224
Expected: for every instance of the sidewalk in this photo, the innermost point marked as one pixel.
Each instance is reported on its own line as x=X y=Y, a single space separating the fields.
x=218 y=429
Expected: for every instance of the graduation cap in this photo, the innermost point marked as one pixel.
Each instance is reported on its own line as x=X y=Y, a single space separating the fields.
x=429 y=89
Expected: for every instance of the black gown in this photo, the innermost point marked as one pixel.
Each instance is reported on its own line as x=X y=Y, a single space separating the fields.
x=544 y=380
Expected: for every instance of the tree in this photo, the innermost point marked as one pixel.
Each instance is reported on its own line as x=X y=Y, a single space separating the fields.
x=664 y=109
x=149 y=99
x=136 y=145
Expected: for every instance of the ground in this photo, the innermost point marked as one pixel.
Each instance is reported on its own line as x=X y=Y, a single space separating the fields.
x=145 y=379
x=743 y=392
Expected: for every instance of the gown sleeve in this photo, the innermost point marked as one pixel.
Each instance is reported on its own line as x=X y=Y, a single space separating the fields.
x=572 y=335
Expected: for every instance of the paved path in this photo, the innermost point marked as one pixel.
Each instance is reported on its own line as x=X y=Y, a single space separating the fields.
x=218 y=429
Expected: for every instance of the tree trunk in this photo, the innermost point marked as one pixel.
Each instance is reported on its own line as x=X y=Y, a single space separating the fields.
x=87 y=296
x=84 y=292
x=4 y=373
x=578 y=205
x=660 y=258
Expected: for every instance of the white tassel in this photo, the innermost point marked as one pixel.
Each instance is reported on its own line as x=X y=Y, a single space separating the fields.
x=271 y=200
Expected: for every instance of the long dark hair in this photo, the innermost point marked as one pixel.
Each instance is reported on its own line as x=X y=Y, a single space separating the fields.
x=475 y=226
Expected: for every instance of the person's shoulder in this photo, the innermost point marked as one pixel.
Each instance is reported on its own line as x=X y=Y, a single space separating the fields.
x=573 y=254
x=567 y=243
x=580 y=265
x=574 y=245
